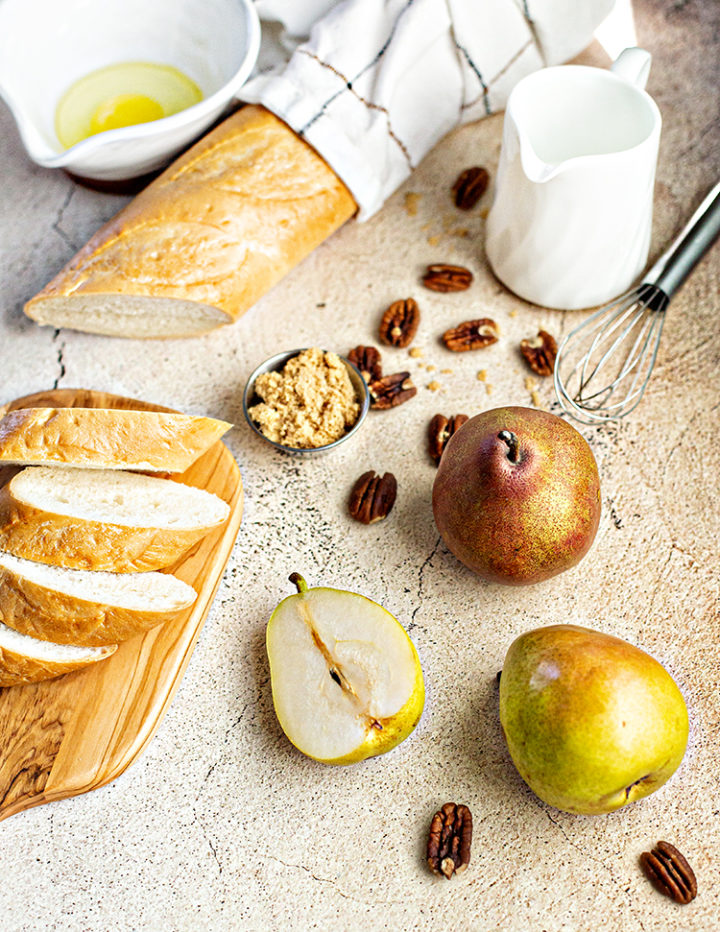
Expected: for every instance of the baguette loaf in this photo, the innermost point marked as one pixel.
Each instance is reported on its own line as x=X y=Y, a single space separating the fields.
x=204 y=240
x=106 y=438
x=86 y=608
x=27 y=660
x=97 y=519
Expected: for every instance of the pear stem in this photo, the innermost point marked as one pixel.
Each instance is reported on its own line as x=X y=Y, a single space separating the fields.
x=297 y=580
x=513 y=445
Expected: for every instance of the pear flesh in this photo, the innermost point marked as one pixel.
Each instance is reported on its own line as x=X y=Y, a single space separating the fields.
x=346 y=678
x=591 y=722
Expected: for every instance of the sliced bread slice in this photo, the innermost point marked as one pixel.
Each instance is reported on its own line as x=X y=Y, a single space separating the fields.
x=27 y=660
x=86 y=608
x=103 y=519
x=106 y=438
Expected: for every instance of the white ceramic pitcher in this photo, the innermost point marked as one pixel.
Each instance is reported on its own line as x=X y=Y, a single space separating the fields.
x=571 y=220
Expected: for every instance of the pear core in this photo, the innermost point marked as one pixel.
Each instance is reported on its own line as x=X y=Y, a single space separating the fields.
x=591 y=722
x=346 y=679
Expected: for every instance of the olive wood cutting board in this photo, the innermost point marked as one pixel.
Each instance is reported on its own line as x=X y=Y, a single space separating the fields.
x=72 y=734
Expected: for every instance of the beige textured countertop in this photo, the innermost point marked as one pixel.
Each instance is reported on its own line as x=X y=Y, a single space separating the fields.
x=221 y=824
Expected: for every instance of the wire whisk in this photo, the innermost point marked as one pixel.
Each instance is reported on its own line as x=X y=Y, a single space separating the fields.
x=603 y=366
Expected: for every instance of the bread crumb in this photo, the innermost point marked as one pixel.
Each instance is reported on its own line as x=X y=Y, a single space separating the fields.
x=482 y=375
x=309 y=403
x=513 y=313
x=536 y=399
x=488 y=388
x=415 y=351
x=434 y=240
x=484 y=211
x=446 y=371
x=430 y=367
x=412 y=201
x=530 y=383
x=462 y=232
x=434 y=386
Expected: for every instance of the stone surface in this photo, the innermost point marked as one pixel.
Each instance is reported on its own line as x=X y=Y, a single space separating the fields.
x=221 y=824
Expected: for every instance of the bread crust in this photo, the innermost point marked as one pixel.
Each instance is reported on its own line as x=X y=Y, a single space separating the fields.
x=107 y=438
x=218 y=228
x=17 y=669
x=81 y=544
x=49 y=615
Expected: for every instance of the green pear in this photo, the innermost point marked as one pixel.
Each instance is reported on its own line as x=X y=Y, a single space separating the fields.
x=346 y=679
x=517 y=495
x=592 y=722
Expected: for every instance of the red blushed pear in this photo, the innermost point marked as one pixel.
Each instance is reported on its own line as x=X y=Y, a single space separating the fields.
x=517 y=495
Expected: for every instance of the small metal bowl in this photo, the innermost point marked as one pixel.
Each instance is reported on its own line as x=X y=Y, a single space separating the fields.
x=275 y=364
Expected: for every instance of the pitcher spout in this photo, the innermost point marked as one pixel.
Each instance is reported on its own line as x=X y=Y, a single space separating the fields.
x=535 y=169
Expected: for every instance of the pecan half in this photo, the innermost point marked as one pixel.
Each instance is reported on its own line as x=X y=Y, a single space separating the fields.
x=540 y=352
x=399 y=323
x=367 y=360
x=471 y=334
x=372 y=497
x=669 y=872
x=440 y=430
x=470 y=187
x=441 y=277
x=448 y=847
x=391 y=390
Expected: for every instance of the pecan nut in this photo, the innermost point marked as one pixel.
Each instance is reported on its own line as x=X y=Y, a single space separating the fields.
x=367 y=360
x=448 y=847
x=540 y=352
x=471 y=335
x=391 y=390
x=440 y=430
x=399 y=323
x=669 y=872
x=442 y=277
x=470 y=187
x=372 y=497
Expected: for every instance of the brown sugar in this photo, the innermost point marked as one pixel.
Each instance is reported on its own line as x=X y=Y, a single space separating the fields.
x=310 y=403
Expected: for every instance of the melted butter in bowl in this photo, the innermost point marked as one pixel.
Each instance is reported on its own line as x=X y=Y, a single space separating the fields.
x=123 y=94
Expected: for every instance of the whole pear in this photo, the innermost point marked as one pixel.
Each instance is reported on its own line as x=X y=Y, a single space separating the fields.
x=517 y=495
x=592 y=722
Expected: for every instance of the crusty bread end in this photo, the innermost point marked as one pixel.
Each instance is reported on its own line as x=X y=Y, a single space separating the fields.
x=106 y=438
x=205 y=240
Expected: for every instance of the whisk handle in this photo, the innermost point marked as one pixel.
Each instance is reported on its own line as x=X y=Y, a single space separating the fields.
x=691 y=244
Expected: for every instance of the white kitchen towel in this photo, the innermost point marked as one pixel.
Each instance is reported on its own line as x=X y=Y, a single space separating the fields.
x=372 y=85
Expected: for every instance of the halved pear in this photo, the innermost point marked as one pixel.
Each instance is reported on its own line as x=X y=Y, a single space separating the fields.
x=346 y=679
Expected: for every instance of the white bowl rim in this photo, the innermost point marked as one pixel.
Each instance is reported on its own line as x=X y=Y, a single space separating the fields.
x=187 y=116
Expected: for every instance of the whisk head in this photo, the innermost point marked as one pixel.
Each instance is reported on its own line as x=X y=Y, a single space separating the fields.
x=603 y=365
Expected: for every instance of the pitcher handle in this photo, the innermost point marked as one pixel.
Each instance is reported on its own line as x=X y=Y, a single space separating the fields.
x=633 y=66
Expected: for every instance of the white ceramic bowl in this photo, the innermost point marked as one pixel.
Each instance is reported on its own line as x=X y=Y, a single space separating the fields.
x=47 y=45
